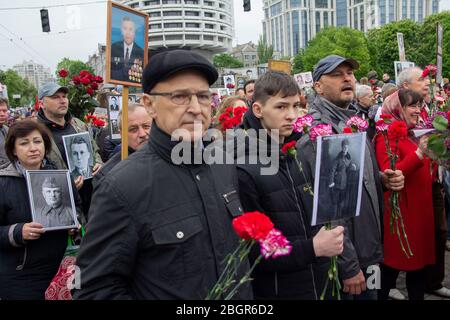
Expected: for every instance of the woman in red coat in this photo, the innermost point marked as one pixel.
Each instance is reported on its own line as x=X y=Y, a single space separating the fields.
x=415 y=199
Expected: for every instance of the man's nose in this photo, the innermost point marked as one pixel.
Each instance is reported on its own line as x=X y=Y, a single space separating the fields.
x=194 y=105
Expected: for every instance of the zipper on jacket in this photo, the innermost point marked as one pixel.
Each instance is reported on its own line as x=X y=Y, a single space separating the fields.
x=303 y=224
x=21 y=266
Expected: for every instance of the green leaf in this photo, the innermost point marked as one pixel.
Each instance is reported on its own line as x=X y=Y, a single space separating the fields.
x=440 y=123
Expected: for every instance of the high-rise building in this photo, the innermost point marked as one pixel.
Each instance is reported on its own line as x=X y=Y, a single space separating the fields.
x=289 y=24
x=35 y=73
x=206 y=26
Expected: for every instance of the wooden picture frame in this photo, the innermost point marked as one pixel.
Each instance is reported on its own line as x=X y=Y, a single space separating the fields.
x=126 y=67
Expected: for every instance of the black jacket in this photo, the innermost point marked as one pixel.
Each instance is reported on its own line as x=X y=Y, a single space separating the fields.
x=26 y=268
x=363 y=234
x=158 y=230
x=282 y=198
x=107 y=167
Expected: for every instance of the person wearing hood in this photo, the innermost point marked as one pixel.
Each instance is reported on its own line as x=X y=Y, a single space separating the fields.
x=54 y=114
x=29 y=256
x=281 y=196
x=334 y=83
x=415 y=200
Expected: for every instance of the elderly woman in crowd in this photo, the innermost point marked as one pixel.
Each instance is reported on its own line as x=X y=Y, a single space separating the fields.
x=416 y=201
x=29 y=256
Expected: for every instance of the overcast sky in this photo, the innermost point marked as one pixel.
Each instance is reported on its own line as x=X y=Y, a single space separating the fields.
x=76 y=30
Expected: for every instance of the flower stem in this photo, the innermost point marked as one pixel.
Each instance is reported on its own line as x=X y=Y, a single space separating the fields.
x=332 y=275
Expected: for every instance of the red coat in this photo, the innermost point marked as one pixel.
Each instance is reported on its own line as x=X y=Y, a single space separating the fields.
x=416 y=204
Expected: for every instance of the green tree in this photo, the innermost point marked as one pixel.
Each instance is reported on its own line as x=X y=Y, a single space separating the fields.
x=265 y=52
x=73 y=67
x=17 y=85
x=342 y=41
x=225 y=60
x=427 y=43
x=298 y=62
x=383 y=47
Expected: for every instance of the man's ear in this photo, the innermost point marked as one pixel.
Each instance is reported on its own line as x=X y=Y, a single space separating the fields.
x=149 y=104
x=41 y=104
x=318 y=87
x=257 y=109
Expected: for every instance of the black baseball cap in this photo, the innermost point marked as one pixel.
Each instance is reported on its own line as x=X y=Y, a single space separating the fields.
x=330 y=63
x=166 y=63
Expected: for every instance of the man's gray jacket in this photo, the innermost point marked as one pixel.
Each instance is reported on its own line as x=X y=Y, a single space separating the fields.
x=363 y=234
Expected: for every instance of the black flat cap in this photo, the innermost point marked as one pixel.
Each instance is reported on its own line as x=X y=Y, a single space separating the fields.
x=167 y=63
x=329 y=63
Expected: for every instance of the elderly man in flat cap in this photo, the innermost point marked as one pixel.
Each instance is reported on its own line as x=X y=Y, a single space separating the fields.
x=334 y=83
x=54 y=213
x=160 y=228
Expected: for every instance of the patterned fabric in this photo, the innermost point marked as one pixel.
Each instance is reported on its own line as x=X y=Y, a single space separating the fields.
x=58 y=289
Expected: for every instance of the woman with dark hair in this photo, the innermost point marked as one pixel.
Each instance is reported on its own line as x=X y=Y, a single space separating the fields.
x=29 y=257
x=415 y=199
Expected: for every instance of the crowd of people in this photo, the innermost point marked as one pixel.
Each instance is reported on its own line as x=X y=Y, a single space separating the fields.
x=159 y=229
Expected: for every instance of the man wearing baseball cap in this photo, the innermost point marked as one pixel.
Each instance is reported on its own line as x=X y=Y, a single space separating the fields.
x=158 y=228
x=334 y=83
x=54 y=113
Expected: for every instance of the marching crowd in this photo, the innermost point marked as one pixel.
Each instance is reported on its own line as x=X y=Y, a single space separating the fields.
x=159 y=229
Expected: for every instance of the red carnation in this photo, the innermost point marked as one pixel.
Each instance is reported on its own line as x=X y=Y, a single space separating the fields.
x=98 y=123
x=98 y=79
x=385 y=116
x=252 y=225
x=347 y=130
x=84 y=73
x=85 y=81
x=63 y=73
x=397 y=130
x=76 y=79
x=288 y=146
x=94 y=85
x=89 y=91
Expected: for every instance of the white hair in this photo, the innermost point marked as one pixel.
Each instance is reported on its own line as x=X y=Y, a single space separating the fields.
x=362 y=90
x=131 y=108
x=406 y=76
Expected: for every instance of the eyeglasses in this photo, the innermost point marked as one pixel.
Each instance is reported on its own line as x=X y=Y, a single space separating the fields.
x=184 y=98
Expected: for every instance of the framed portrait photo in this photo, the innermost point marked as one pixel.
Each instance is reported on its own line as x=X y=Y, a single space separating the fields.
x=338 y=177
x=399 y=66
x=79 y=154
x=51 y=199
x=126 y=45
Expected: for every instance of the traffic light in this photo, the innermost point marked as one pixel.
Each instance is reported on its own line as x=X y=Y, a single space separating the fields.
x=45 y=20
x=247 y=6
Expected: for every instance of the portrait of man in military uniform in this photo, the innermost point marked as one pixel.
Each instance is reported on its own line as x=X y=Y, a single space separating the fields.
x=340 y=168
x=127 y=45
x=52 y=201
x=79 y=154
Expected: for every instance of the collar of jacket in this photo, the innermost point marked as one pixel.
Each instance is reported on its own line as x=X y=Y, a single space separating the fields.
x=331 y=113
x=250 y=121
x=163 y=145
x=50 y=124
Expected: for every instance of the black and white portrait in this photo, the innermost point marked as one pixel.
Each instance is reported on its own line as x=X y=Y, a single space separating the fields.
x=51 y=199
x=399 y=66
x=79 y=154
x=229 y=81
x=114 y=129
x=339 y=173
x=114 y=102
